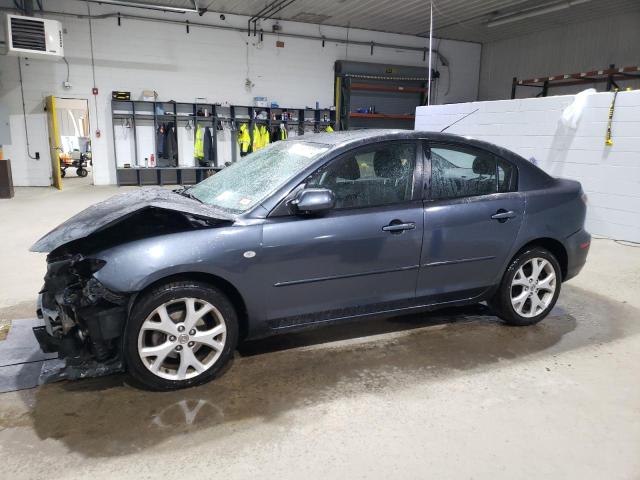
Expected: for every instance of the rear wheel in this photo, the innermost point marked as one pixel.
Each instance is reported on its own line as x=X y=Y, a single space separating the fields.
x=82 y=172
x=180 y=335
x=529 y=288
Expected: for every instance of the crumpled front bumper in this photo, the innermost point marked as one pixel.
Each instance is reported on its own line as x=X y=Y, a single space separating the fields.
x=64 y=345
x=77 y=349
x=82 y=318
x=48 y=343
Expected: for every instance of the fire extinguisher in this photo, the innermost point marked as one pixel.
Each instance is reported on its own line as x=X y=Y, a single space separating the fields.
x=152 y=160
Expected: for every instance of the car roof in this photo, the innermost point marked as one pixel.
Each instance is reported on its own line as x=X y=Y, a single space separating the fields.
x=345 y=138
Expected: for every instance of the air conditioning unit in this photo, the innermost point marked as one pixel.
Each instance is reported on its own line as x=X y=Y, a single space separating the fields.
x=34 y=37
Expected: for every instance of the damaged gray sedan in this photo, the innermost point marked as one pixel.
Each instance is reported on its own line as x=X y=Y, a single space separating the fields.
x=165 y=284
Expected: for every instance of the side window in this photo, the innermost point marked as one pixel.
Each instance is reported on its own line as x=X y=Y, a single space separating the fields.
x=370 y=177
x=458 y=171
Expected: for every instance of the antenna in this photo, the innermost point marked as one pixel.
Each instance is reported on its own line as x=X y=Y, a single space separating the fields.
x=430 y=49
x=459 y=120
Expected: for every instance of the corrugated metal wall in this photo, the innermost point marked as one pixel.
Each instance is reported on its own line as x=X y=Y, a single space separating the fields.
x=567 y=49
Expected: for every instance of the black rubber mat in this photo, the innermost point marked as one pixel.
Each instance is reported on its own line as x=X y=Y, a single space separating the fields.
x=21 y=360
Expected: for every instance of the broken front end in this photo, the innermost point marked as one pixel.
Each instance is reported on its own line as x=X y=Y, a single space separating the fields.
x=83 y=320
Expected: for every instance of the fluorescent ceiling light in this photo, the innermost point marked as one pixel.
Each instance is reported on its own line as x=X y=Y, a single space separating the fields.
x=524 y=14
x=149 y=6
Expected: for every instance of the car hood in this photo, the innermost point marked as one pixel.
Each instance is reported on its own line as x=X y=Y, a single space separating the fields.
x=115 y=209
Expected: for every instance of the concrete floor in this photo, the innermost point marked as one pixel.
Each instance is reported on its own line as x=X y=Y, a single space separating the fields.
x=25 y=218
x=448 y=395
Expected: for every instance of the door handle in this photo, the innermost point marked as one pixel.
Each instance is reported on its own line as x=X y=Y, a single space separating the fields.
x=503 y=215
x=396 y=226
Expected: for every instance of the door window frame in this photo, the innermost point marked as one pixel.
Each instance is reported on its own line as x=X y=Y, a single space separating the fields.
x=282 y=210
x=426 y=151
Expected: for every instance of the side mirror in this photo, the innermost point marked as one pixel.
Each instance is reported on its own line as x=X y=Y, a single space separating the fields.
x=313 y=200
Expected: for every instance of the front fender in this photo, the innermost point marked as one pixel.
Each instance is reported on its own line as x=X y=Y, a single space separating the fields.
x=133 y=266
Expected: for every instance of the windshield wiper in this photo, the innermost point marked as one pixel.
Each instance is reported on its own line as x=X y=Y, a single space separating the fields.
x=184 y=191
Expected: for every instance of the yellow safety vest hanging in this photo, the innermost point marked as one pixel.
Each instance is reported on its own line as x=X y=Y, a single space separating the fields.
x=283 y=132
x=264 y=132
x=198 y=147
x=329 y=129
x=257 y=139
x=260 y=137
x=244 y=139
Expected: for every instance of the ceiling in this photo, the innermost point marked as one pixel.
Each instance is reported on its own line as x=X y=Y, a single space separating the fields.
x=453 y=19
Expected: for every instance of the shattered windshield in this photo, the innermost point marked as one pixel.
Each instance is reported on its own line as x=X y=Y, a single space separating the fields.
x=251 y=180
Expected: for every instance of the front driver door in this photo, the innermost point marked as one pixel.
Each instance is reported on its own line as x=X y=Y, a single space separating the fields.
x=471 y=221
x=362 y=256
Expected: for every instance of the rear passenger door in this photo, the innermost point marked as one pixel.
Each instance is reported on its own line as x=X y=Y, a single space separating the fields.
x=472 y=215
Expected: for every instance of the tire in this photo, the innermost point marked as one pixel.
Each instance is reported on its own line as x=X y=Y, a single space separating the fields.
x=63 y=173
x=520 y=282
x=180 y=351
x=82 y=172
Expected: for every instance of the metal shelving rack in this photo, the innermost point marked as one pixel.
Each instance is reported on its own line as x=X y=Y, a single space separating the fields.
x=389 y=94
x=390 y=88
x=610 y=76
x=141 y=111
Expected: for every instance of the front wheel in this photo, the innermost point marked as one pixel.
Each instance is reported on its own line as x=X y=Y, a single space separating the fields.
x=529 y=288
x=179 y=335
x=82 y=172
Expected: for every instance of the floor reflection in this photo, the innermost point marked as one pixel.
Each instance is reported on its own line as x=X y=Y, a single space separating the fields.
x=106 y=417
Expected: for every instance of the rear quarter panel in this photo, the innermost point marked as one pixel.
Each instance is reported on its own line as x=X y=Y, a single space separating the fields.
x=556 y=212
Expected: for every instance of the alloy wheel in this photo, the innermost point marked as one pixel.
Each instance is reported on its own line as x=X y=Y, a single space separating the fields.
x=182 y=338
x=533 y=287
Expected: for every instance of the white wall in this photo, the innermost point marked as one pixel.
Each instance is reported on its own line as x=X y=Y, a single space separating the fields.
x=204 y=63
x=566 y=49
x=610 y=175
